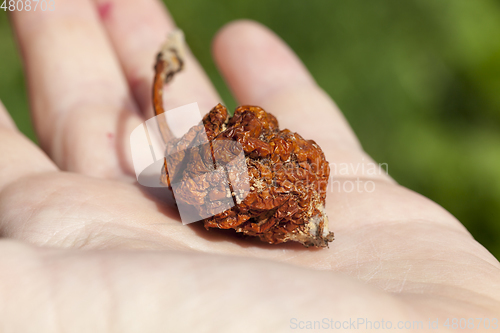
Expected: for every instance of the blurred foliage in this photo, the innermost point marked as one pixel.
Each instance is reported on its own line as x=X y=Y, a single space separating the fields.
x=419 y=81
x=12 y=84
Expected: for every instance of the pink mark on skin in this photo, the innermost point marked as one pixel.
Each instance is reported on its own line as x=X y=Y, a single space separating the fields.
x=105 y=10
x=110 y=136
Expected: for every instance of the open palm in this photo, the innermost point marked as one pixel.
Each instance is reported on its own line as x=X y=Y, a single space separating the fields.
x=85 y=248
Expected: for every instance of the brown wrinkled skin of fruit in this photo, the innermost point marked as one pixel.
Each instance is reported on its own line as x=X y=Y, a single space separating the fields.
x=288 y=177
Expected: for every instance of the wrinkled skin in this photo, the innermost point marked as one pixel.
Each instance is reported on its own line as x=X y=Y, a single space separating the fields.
x=86 y=249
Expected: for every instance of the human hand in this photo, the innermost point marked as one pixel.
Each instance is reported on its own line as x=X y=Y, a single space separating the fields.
x=84 y=248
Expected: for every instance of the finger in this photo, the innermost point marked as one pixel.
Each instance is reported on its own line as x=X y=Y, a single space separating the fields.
x=19 y=157
x=262 y=70
x=80 y=101
x=137 y=29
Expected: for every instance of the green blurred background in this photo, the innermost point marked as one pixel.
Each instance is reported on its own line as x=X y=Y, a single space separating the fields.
x=419 y=81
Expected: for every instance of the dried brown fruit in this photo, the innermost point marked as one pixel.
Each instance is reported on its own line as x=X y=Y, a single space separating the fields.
x=287 y=174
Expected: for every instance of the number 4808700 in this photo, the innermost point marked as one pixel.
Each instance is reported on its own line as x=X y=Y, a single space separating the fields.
x=28 y=5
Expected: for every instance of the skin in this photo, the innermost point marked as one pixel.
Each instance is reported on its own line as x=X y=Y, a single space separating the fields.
x=85 y=249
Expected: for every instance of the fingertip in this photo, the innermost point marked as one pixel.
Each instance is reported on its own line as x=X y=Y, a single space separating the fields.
x=255 y=61
x=234 y=28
